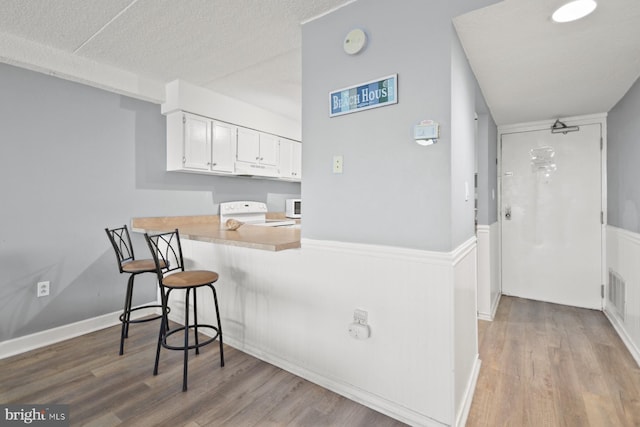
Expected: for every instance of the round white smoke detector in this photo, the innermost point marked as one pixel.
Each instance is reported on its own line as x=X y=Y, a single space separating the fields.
x=355 y=41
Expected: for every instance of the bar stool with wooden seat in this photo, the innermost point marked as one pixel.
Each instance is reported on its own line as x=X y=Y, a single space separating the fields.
x=121 y=242
x=167 y=255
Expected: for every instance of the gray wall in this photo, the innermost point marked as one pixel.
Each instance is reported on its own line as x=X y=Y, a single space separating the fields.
x=74 y=160
x=392 y=192
x=623 y=157
x=463 y=145
x=487 y=170
x=487 y=164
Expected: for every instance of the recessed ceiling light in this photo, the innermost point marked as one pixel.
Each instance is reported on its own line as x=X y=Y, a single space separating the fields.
x=574 y=10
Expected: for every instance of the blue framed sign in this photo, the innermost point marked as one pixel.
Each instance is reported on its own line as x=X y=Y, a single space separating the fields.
x=364 y=96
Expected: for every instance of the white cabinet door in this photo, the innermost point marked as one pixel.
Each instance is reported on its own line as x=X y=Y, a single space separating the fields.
x=290 y=159
x=223 y=147
x=197 y=143
x=286 y=158
x=296 y=160
x=257 y=153
x=269 y=150
x=248 y=146
x=256 y=147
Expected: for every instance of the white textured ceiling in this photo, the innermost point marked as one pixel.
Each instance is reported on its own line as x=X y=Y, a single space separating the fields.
x=249 y=49
x=528 y=67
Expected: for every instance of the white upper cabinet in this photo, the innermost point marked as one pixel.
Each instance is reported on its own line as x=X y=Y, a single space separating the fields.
x=248 y=146
x=199 y=144
x=258 y=153
x=269 y=146
x=223 y=146
x=204 y=145
x=290 y=160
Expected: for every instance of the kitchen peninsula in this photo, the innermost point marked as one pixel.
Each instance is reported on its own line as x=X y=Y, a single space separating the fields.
x=206 y=228
x=292 y=308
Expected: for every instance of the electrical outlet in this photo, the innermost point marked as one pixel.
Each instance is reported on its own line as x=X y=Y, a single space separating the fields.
x=337 y=164
x=42 y=289
x=359 y=331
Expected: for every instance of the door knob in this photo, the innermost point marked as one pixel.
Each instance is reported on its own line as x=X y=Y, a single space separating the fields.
x=507 y=212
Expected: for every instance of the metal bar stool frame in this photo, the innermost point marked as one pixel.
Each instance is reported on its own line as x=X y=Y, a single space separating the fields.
x=121 y=242
x=166 y=251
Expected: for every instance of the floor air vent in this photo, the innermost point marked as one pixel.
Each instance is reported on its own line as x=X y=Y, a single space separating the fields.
x=617 y=293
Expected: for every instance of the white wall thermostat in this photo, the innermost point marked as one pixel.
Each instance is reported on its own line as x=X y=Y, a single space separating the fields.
x=426 y=132
x=355 y=41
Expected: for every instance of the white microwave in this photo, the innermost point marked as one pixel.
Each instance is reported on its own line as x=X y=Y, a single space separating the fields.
x=293 y=208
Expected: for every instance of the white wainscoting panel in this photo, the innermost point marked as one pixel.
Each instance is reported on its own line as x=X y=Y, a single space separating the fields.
x=292 y=309
x=465 y=328
x=623 y=253
x=496 y=281
x=489 y=290
x=484 y=272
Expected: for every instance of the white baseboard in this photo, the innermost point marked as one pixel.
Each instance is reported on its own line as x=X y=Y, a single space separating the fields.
x=461 y=419
x=40 y=339
x=349 y=391
x=494 y=305
x=622 y=333
x=494 y=308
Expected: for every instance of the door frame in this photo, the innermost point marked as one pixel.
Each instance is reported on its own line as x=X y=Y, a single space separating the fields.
x=600 y=119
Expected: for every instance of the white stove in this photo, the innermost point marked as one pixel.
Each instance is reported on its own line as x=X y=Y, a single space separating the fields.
x=254 y=213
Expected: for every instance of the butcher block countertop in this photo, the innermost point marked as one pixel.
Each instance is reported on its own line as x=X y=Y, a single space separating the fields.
x=206 y=228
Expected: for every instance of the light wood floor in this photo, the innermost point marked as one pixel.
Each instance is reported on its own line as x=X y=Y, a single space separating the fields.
x=551 y=365
x=104 y=389
x=543 y=365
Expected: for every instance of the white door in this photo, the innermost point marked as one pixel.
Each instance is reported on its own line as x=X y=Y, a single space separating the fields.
x=551 y=207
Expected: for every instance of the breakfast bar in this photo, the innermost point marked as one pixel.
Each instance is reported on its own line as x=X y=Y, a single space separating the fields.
x=207 y=228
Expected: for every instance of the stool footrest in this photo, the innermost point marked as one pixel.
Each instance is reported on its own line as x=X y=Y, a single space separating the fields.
x=193 y=346
x=146 y=319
